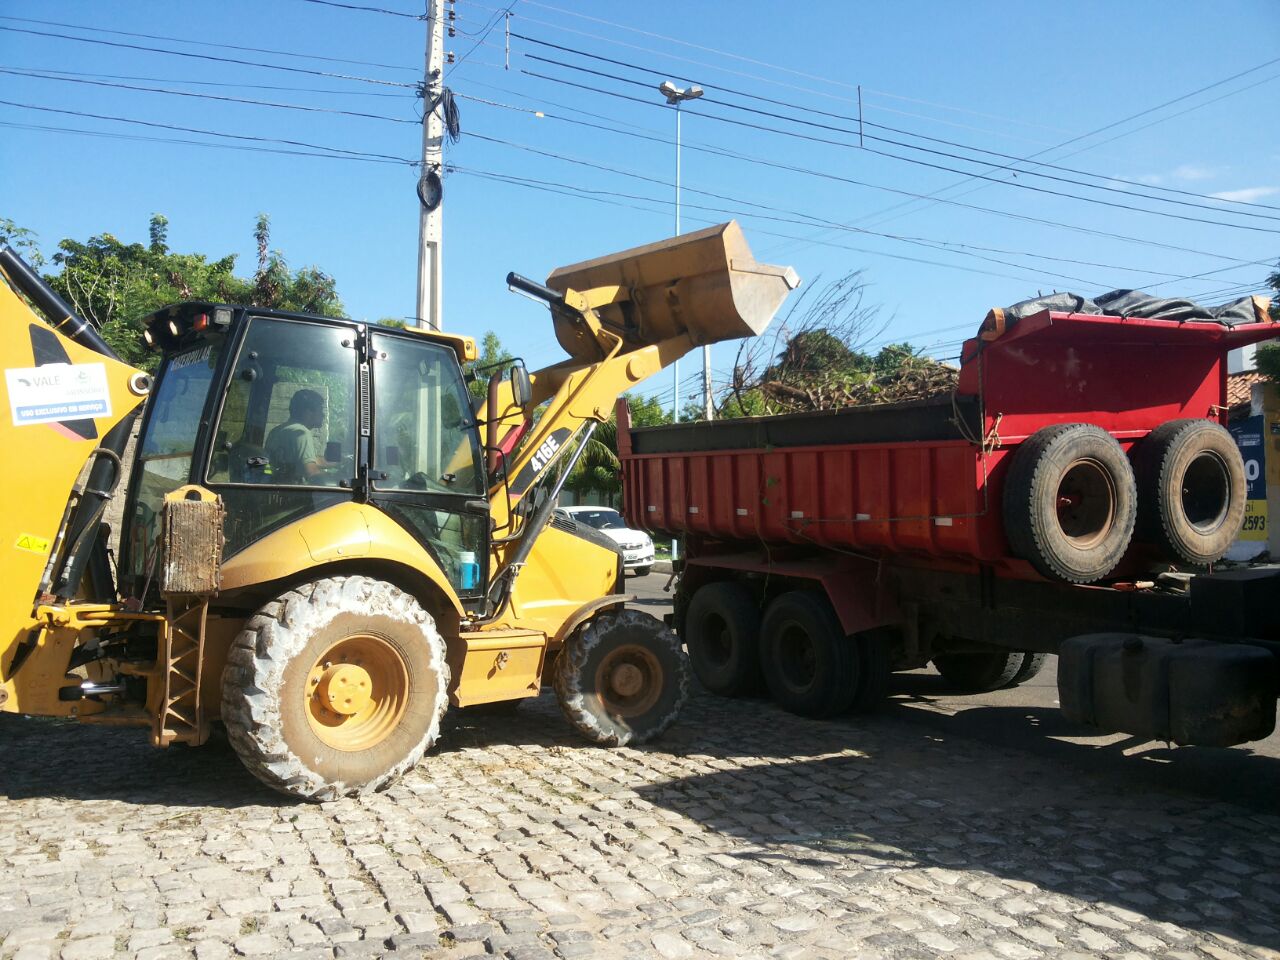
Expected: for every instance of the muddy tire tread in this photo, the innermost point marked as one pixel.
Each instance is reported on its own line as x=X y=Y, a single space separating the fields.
x=268 y=641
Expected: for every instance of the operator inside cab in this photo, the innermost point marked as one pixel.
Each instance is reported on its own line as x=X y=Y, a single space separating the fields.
x=292 y=447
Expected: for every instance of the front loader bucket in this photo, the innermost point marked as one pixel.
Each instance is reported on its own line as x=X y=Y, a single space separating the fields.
x=704 y=284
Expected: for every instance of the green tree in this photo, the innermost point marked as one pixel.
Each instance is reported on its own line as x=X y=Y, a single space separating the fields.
x=22 y=240
x=113 y=284
x=478 y=371
x=598 y=469
x=1267 y=359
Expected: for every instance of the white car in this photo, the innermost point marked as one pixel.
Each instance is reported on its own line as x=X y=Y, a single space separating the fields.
x=636 y=545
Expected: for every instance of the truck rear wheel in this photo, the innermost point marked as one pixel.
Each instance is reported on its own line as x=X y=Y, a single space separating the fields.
x=875 y=667
x=722 y=634
x=1070 y=502
x=809 y=664
x=988 y=670
x=621 y=678
x=1191 y=475
x=335 y=688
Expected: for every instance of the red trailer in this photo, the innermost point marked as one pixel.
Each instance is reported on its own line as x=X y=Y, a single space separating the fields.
x=1078 y=481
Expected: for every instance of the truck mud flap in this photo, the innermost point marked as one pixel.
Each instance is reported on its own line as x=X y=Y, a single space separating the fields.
x=1193 y=692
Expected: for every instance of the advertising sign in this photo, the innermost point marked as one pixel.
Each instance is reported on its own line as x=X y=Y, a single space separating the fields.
x=1249 y=436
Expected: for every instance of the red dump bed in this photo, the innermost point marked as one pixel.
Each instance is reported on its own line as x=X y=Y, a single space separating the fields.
x=926 y=478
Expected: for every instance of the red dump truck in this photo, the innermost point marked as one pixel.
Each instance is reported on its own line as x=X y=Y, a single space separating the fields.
x=1072 y=496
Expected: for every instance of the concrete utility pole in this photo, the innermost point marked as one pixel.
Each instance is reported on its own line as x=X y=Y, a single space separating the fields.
x=430 y=207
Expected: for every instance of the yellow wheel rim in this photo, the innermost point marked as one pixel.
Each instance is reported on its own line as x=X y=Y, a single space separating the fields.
x=629 y=681
x=357 y=691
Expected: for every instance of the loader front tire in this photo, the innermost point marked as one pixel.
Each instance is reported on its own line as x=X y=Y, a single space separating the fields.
x=621 y=678
x=335 y=688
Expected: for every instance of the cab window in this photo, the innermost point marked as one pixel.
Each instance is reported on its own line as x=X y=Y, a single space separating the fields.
x=289 y=415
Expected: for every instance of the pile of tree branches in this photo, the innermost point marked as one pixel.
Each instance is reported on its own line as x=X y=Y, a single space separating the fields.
x=829 y=353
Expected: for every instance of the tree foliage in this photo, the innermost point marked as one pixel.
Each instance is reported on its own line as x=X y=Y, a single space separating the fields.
x=820 y=357
x=113 y=284
x=479 y=371
x=598 y=469
x=22 y=240
x=1267 y=359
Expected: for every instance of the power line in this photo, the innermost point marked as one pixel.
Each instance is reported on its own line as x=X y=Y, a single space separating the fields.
x=868 y=91
x=213 y=96
x=931 y=243
x=40 y=71
x=916 y=162
x=866 y=123
x=364 y=9
x=207 y=56
x=210 y=43
x=347 y=155
x=210 y=133
x=611 y=196
x=1123 y=120
x=838 y=178
x=487 y=30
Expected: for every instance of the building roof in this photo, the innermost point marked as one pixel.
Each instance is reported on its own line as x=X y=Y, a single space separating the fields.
x=1240 y=389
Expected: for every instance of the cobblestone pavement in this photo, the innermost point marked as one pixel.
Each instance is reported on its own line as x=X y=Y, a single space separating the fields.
x=745 y=832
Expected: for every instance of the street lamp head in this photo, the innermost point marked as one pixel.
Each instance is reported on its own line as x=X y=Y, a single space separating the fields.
x=674 y=94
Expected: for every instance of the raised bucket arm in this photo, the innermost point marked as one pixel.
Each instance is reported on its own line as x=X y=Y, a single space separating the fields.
x=624 y=317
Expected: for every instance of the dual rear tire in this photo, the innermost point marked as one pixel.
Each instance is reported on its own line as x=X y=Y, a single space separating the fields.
x=795 y=649
x=1071 y=497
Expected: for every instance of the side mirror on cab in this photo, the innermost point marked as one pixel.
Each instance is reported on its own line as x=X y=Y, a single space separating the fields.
x=521 y=388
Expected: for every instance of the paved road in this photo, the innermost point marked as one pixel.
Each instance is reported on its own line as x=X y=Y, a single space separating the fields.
x=935 y=828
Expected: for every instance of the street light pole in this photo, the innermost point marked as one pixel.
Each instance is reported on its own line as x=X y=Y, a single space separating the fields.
x=675 y=96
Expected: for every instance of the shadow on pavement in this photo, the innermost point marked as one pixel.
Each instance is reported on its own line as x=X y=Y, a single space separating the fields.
x=63 y=758
x=988 y=792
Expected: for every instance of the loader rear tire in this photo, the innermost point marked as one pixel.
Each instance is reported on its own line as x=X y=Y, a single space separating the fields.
x=335 y=688
x=1191 y=477
x=722 y=634
x=1070 y=501
x=621 y=678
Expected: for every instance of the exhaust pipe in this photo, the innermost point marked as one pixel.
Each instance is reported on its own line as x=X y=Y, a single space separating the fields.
x=59 y=314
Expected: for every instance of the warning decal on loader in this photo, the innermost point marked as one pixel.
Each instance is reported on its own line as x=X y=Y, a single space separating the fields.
x=32 y=544
x=57 y=392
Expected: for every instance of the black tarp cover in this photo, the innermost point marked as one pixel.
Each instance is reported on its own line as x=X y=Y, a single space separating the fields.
x=1135 y=303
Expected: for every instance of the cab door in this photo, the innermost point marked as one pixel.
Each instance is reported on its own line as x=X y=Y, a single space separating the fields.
x=426 y=470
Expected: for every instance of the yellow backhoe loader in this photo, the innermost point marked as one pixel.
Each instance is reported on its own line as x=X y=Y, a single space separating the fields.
x=324 y=543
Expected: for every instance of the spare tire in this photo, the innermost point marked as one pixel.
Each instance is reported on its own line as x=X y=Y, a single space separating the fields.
x=1192 y=484
x=1070 y=501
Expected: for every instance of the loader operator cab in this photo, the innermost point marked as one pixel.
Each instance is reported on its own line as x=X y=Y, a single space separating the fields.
x=285 y=415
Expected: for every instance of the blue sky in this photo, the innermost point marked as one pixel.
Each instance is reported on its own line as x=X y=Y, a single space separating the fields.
x=1011 y=78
